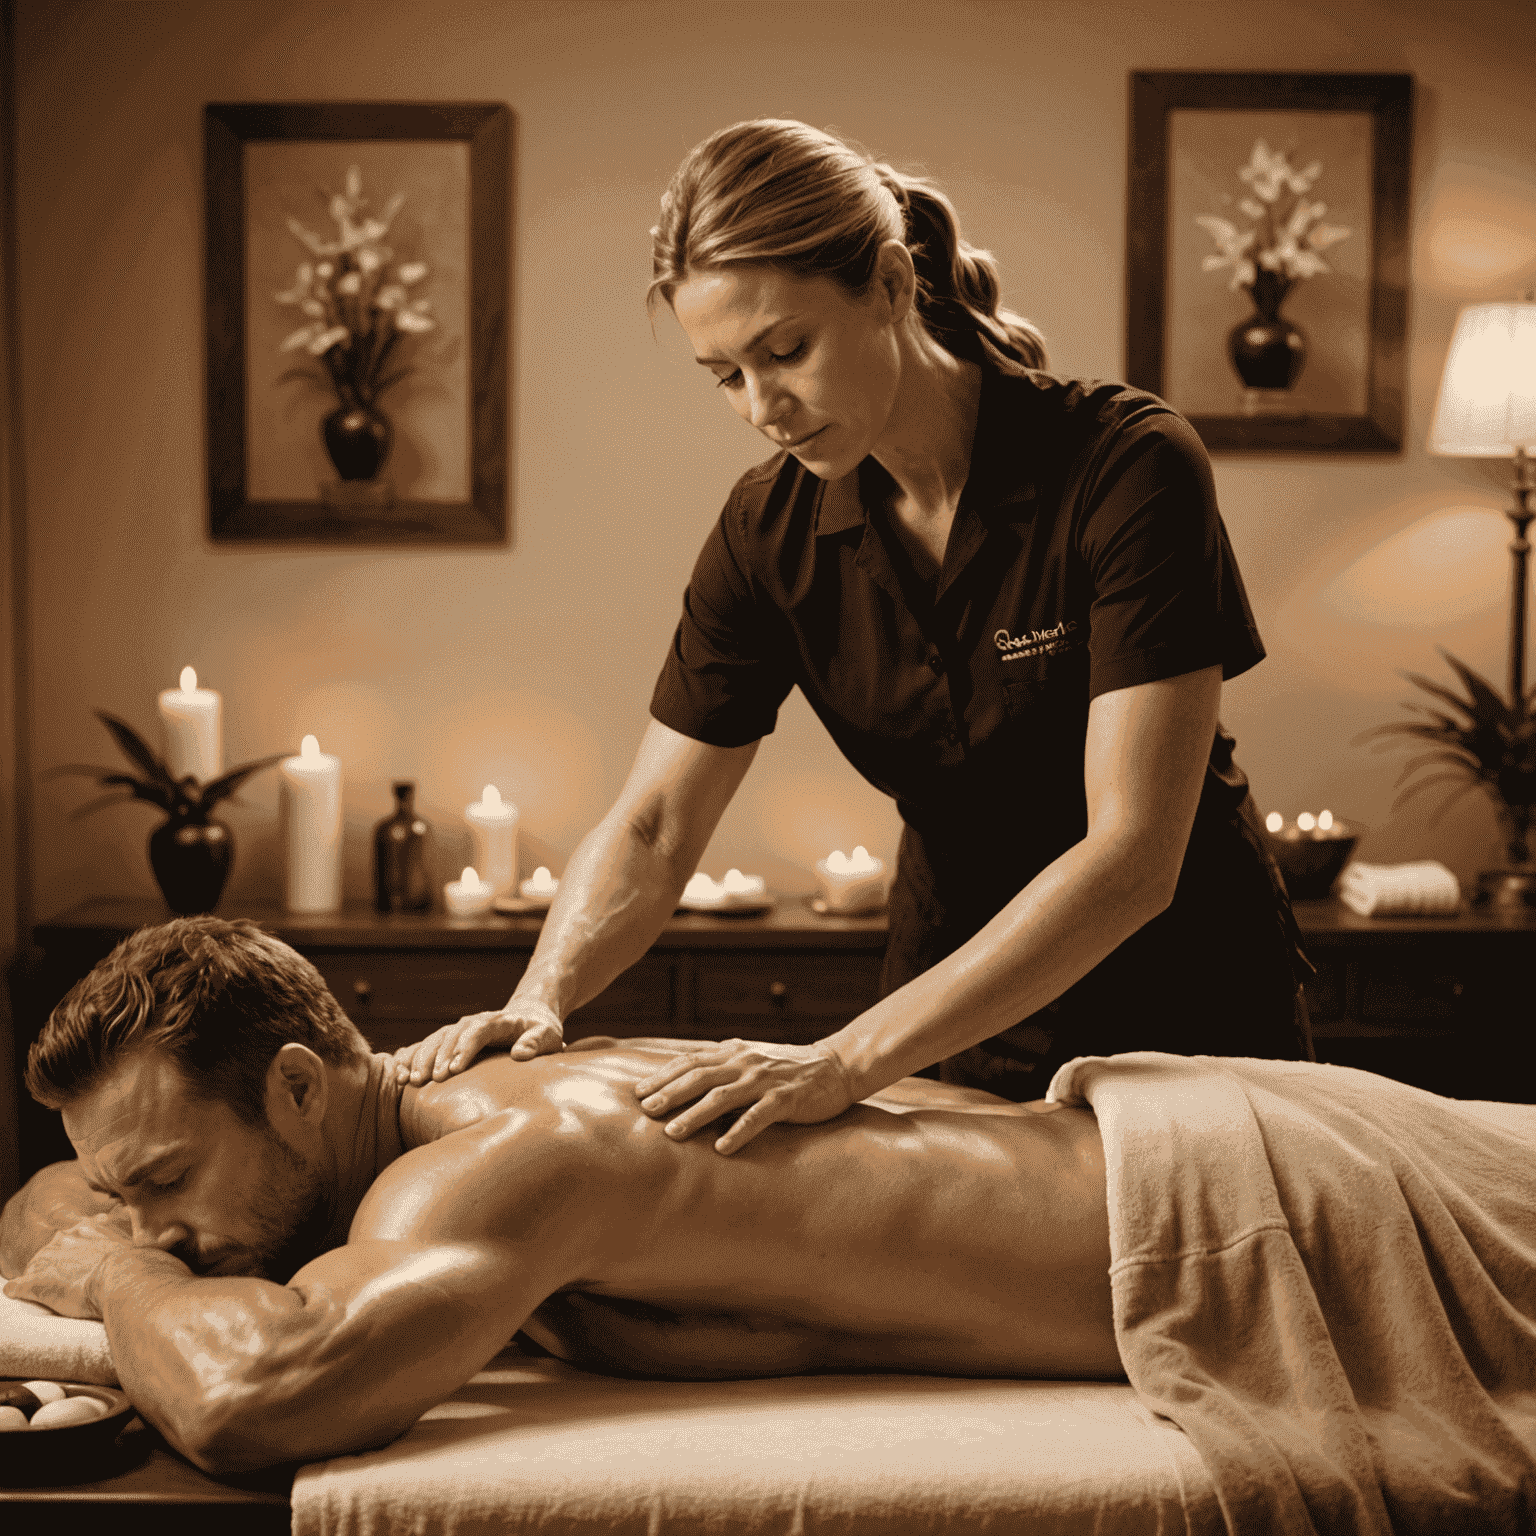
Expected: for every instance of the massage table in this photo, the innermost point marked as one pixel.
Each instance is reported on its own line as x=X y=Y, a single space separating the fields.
x=1325 y=1298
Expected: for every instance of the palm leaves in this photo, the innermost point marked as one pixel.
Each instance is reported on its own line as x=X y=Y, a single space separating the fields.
x=184 y=799
x=1489 y=743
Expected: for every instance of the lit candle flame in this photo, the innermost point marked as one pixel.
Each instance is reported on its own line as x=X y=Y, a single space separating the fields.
x=1325 y=821
x=1274 y=821
x=188 y=680
x=542 y=881
x=469 y=877
x=861 y=862
x=1306 y=821
x=736 y=881
x=309 y=749
x=490 y=798
x=837 y=862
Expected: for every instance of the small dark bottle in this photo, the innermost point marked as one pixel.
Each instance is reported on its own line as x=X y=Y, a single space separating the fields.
x=400 y=856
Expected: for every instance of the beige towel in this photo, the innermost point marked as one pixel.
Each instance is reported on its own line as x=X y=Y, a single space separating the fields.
x=1328 y=1281
x=35 y=1342
x=1425 y=889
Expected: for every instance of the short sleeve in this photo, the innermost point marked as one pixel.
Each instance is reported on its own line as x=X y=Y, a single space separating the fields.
x=1167 y=594
x=722 y=682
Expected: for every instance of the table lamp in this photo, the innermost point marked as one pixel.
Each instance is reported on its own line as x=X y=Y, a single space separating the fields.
x=1487 y=409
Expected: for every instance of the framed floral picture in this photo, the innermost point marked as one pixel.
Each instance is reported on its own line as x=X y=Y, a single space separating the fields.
x=357 y=316
x=1267 y=255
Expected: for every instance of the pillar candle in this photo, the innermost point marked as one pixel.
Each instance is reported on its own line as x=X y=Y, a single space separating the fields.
x=493 y=827
x=191 y=721
x=311 y=828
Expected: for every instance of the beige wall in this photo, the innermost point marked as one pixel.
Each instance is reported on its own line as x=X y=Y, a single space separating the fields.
x=531 y=665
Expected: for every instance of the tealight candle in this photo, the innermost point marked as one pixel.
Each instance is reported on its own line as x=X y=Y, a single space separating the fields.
x=469 y=895
x=851 y=884
x=735 y=890
x=540 y=886
x=191 y=723
x=310 y=816
x=493 y=828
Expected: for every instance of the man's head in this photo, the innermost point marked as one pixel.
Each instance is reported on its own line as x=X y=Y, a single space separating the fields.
x=193 y=1067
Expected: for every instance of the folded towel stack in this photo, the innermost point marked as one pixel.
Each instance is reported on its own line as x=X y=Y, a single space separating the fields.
x=1425 y=889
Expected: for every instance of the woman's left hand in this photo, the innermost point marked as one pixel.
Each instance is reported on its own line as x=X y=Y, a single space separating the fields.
x=795 y=1084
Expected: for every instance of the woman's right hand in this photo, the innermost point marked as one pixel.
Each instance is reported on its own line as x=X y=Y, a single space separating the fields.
x=529 y=1028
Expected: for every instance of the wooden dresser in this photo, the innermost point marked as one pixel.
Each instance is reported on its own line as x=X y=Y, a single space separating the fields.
x=1436 y=1001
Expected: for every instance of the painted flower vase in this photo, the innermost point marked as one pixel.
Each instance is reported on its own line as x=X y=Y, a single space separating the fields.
x=358 y=438
x=1266 y=349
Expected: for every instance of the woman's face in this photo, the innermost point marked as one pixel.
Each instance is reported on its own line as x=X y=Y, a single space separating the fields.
x=813 y=368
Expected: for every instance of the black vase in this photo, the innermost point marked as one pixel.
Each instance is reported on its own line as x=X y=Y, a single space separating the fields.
x=1266 y=349
x=191 y=861
x=358 y=439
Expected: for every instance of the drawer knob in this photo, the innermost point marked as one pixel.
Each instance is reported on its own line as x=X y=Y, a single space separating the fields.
x=362 y=990
x=778 y=991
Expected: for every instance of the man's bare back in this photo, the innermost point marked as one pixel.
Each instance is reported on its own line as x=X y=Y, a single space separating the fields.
x=930 y=1228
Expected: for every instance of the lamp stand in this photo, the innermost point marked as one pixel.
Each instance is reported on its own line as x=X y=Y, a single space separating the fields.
x=1514 y=885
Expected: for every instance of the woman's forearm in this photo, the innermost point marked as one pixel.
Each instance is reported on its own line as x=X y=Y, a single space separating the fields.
x=1076 y=911
x=616 y=894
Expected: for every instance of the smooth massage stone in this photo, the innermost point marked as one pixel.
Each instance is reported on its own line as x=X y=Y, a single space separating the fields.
x=68 y=1410
x=45 y=1391
x=11 y=1418
x=14 y=1395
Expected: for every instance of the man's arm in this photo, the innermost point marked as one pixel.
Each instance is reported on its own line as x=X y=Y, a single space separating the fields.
x=52 y=1200
x=240 y=1374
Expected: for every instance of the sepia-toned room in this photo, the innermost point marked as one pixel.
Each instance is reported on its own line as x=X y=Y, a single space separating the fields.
x=924 y=927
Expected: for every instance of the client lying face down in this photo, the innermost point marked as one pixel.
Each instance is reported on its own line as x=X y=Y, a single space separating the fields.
x=295 y=1255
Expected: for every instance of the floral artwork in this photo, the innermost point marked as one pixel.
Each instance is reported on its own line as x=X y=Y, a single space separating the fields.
x=1279 y=249
x=1284 y=240
x=356 y=307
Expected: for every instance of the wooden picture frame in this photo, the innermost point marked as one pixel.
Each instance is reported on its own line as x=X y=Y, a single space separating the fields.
x=272 y=175
x=1190 y=137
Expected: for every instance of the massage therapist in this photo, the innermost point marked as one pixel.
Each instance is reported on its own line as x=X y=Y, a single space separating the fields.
x=1010 y=598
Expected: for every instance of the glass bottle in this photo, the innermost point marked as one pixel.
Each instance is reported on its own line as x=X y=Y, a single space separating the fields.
x=400 y=856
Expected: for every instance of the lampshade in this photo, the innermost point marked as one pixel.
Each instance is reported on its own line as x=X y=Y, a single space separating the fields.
x=1487 y=404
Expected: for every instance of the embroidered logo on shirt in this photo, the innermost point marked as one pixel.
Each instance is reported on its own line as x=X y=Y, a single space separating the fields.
x=1037 y=642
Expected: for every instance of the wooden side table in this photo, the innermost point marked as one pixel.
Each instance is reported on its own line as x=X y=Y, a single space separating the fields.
x=1433 y=1001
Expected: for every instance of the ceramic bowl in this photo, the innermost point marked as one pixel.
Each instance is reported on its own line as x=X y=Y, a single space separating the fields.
x=1313 y=861
x=73 y=1453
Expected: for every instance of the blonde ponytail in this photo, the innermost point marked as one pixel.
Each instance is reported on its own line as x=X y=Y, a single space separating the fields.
x=777 y=191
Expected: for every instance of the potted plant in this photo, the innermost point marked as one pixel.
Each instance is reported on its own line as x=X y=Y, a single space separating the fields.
x=1488 y=743
x=189 y=851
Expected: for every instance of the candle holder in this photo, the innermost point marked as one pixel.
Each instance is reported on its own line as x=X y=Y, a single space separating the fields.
x=469 y=895
x=1311 y=859
x=737 y=894
x=849 y=886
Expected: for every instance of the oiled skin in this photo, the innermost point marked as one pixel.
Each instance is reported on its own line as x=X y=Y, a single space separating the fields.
x=928 y=1229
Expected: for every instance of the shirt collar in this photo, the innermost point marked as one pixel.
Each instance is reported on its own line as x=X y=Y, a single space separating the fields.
x=997 y=487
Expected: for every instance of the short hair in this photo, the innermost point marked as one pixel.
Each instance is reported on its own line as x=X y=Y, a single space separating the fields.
x=218 y=996
x=777 y=191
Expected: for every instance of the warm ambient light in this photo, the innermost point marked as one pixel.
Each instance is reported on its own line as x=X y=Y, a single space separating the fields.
x=490 y=798
x=1274 y=821
x=1306 y=821
x=469 y=877
x=1487 y=403
x=540 y=882
x=858 y=863
x=188 y=680
x=309 y=749
x=1325 y=821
